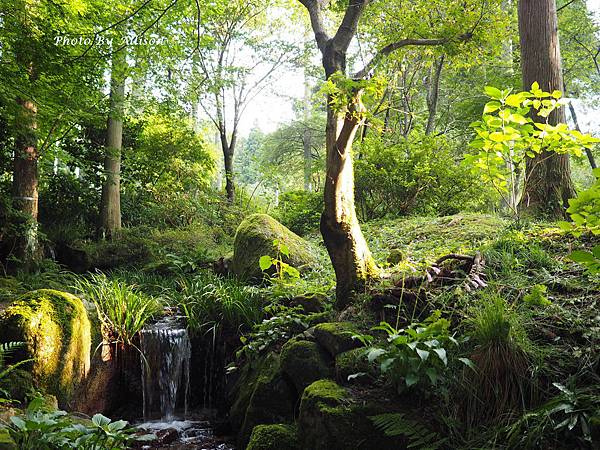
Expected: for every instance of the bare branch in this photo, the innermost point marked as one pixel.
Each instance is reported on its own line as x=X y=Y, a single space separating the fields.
x=349 y=25
x=315 y=11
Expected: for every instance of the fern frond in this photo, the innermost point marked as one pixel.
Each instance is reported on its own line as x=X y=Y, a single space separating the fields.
x=419 y=436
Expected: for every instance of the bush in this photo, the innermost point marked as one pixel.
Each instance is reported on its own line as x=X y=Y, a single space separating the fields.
x=300 y=211
x=419 y=175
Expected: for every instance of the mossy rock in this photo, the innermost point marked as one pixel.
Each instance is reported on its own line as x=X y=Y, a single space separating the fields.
x=254 y=238
x=56 y=330
x=267 y=398
x=336 y=337
x=304 y=362
x=274 y=437
x=395 y=256
x=354 y=363
x=331 y=420
x=310 y=303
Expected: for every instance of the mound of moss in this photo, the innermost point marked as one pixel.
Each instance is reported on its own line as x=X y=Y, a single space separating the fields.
x=336 y=337
x=56 y=330
x=304 y=362
x=254 y=238
x=274 y=437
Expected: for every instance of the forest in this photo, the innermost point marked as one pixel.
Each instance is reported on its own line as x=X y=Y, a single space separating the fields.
x=299 y=224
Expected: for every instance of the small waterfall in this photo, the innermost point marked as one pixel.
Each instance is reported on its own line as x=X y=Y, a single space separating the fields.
x=166 y=353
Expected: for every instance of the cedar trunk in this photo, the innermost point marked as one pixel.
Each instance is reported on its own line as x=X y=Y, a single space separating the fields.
x=110 y=203
x=25 y=182
x=548 y=184
x=228 y=152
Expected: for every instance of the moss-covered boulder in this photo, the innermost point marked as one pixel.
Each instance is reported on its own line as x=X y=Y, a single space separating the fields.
x=304 y=362
x=56 y=330
x=274 y=437
x=354 y=366
x=254 y=238
x=330 y=419
x=336 y=337
x=310 y=303
x=263 y=396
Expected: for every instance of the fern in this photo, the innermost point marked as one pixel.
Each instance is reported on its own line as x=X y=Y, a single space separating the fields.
x=7 y=348
x=419 y=436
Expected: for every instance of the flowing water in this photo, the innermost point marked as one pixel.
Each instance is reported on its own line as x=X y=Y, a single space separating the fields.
x=166 y=353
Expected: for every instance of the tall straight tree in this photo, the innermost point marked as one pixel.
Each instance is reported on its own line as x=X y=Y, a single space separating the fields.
x=349 y=253
x=548 y=184
x=110 y=203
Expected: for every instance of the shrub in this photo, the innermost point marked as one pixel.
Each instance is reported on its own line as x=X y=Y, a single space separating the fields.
x=300 y=211
x=419 y=175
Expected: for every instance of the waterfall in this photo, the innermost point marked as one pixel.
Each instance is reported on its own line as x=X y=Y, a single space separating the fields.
x=165 y=357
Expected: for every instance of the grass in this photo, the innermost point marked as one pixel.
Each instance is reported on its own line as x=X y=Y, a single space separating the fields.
x=122 y=309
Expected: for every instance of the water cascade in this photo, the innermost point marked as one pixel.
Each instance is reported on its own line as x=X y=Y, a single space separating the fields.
x=166 y=352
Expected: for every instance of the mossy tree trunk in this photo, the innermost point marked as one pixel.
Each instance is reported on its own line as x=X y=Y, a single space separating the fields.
x=548 y=184
x=110 y=203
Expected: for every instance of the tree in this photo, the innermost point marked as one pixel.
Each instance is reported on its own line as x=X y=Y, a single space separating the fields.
x=548 y=185
x=110 y=202
x=349 y=253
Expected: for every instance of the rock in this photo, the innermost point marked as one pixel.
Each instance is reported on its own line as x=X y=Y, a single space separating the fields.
x=274 y=437
x=331 y=420
x=264 y=396
x=310 y=303
x=354 y=362
x=254 y=238
x=336 y=337
x=304 y=362
x=56 y=330
x=395 y=256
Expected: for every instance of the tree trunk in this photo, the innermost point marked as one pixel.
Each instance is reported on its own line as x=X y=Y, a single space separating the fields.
x=25 y=182
x=588 y=152
x=548 y=184
x=228 y=152
x=433 y=93
x=348 y=250
x=110 y=203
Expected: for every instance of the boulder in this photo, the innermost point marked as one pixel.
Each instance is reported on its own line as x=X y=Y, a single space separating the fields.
x=264 y=396
x=304 y=362
x=274 y=437
x=330 y=419
x=56 y=330
x=354 y=363
x=336 y=337
x=254 y=238
x=310 y=303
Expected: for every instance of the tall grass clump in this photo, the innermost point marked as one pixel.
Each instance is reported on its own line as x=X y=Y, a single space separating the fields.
x=212 y=303
x=122 y=309
x=502 y=385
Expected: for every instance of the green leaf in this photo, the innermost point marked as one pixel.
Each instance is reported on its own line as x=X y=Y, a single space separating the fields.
x=491 y=107
x=265 y=262
x=423 y=354
x=581 y=256
x=467 y=362
x=442 y=355
x=375 y=353
x=493 y=92
x=284 y=249
x=100 y=421
x=411 y=379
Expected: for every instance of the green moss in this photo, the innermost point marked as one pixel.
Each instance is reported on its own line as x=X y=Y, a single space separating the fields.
x=324 y=394
x=353 y=362
x=274 y=437
x=254 y=238
x=304 y=362
x=336 y=337
x=56 y=329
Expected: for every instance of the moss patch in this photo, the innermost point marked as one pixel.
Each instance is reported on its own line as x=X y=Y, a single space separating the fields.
x=354 y=362
x=274 y=437
x=254 y=238
x=304 y=362
x=336 y=337
x=56 y=330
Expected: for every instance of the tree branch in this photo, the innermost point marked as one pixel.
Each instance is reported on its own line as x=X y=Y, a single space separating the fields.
x=390 y=48
x=349 y=25
x=315 y=11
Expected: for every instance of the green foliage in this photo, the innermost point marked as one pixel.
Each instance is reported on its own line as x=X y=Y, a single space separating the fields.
x=123 y=310
x=537 y=296
x=417 y=175
x=507 y=135
x=564 y=418
x=211 y=303
x=43 y=429
x=6 y=349
x=284 y=273
x=300 y=211
x=418 y=435
x=284 y=322
x=415 y=355
x=342 y=92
